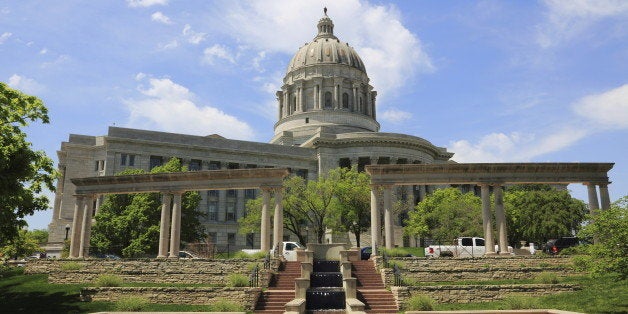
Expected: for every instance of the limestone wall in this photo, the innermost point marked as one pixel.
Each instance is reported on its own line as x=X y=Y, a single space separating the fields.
x=477 y=293
x=245 y=297
x=186 y=271
x=488 y=268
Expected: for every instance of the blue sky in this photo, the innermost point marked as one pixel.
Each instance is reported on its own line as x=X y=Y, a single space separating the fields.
x=493 y=81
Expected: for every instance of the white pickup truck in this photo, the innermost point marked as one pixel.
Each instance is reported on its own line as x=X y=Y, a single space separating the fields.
x=288 y=251
x=464 y=247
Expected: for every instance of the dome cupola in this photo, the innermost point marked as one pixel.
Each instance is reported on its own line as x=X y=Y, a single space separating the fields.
x=325 y=86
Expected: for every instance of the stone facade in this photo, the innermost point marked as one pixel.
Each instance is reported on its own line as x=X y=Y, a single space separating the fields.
x=246 y=297
x=184 y=271
x=326 y=119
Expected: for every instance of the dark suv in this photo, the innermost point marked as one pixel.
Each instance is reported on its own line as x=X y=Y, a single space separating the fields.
x=554 y=246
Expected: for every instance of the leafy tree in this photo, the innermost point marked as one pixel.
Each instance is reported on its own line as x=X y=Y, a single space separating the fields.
x=610 y=254
x=24 y=172
x=352 y=206
x=128 y=224
x=445 y=215
x=536 y=213
x=25 y=244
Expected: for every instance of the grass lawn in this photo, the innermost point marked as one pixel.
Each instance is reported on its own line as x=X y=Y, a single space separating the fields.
x=598 y=295
x=33 y=294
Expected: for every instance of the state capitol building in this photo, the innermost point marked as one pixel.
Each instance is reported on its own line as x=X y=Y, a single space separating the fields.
x=326 y=119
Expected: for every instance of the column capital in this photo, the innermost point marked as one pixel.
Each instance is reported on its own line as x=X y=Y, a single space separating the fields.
x=598 y=183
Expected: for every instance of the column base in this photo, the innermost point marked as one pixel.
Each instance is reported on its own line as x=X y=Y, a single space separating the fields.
x=491 y=254
x=505 y=254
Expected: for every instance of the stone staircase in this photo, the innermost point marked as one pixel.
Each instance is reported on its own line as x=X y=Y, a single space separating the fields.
x=280 y=291
x=371 y=289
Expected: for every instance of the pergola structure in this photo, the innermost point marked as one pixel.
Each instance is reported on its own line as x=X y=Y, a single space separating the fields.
x=385 y=177
x=172 y=186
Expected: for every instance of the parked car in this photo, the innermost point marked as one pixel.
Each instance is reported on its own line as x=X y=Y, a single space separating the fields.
x=554 y=246
x=289 y=250
x=365 y=252
x=462 y=247
x=105 y=255
x=186 y=254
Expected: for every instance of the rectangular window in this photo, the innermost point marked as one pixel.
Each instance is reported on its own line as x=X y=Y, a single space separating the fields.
x=233 y=165
x=250 y=240
x=156 y=161
x=231 y=238
x=249 y=194
x=212 y=193
x=230 y=214
x=131 y=160
x=96 y=165
x=99 y=165
x=211 y=237
x=214 y=165
x=231 y=193
x=195 y=165
x=251 y=166
x=212 y=211
x=123 y=158
x=302 y=173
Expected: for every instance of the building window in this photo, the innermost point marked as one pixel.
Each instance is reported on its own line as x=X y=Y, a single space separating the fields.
x=250 y=239
x=307 y=120
x=211 y=237
x=249 y=194
x=214 y=165
x=231 y=238
x=195 y=165
x=230 y=214
x=233 y=165
x=345 y=101
x=362 y=162
x=212 y=193
x=327 y=99
x=99 y=165
x=344 y=163
x=123 y=158
x=402 y=161
x=301 y=173
x=231 y=193
x=212 y=211
x=156 y=161
x=251 y=166
x=383 y=160
x=131 y=160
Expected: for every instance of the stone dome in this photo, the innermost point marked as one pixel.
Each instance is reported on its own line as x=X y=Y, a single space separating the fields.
x=325 y=49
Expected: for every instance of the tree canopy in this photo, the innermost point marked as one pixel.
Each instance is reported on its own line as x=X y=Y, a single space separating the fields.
x=25 y=244
x=536 y=213
x=351 y=210
x=24 y=172
x=446 y=214
x=128 y=224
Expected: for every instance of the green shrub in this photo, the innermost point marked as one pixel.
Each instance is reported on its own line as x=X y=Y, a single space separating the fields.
x=225 y=306
x=238 y=280
x=547 y=278
x=399 y=264
x=69 y=266
x=519 y=303
x=420 y=303
x=131 y=304
x=108 y=280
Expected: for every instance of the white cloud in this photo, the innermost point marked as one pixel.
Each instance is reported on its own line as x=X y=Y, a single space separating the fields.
x=170 y=45
x=24 y=84
x=192 y=36
x=140 y=76
x=607 y=110
x=4 y=37
x=217 y=51
x=568 y=19
x=500 y=147
x=395 y=116
x=168 y=106
x=59 y=60
x=160 y=17
x=145 y=3
x=43 y=51
x=392 y=53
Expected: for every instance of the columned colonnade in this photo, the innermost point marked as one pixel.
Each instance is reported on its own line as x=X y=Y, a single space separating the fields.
x=487 y=176
x=172 y=186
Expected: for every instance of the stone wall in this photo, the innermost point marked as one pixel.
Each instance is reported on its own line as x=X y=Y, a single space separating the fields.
x=245 y=297
x=186 y=271
x=477 y=293
x=485 y=268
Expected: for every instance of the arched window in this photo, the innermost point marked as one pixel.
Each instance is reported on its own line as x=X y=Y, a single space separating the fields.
x=327 y=99
x=345 y=101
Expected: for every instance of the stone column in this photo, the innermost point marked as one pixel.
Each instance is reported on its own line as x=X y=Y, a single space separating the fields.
x=422 y=192
x=175 y=227
x=98 y=203
x=355 y=99
x=374 y=219
x=593 y=203
x=265 y=224
x=278 y=222
x=388 y=220
x=279 y=95
x=77 y=224
x=487 y=219
x=86 y=230
x=500 y=217
x=337 y=96
x=164 y=232
x=605 y=199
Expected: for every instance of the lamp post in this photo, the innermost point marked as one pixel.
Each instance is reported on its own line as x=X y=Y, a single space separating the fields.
x=67 y=230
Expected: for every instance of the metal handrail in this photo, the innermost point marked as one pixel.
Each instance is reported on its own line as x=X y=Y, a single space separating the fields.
x=254 y=276
x=397 y=276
